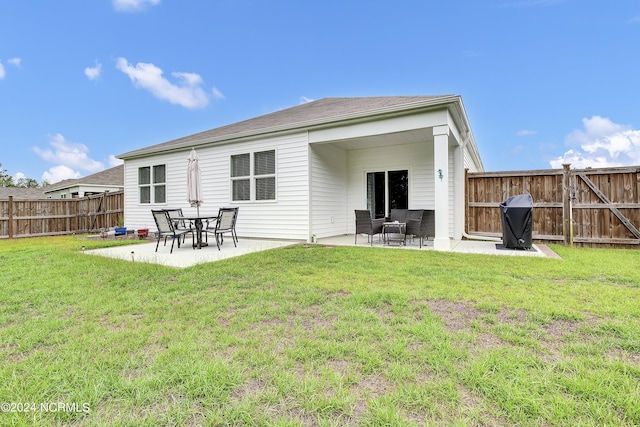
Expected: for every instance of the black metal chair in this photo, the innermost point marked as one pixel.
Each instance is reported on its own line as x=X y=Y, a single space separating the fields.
x=366 y=225
x=225 y=223
x=167 y=228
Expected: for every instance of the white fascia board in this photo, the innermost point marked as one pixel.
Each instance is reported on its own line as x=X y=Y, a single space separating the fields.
x=380 y=126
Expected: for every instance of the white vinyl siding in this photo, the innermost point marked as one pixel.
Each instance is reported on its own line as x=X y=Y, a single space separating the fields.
x=328 y=190
x=284 y=218
x=468 y=161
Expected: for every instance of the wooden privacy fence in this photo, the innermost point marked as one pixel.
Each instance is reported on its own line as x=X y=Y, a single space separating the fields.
x=585 y=207
x=48 y=217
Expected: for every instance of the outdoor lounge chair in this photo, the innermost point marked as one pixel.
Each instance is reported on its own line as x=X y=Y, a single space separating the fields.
x=366 y=225
x=166 y=228
x=225 y=223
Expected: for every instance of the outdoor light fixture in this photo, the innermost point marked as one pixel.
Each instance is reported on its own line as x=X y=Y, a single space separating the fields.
x=82 y=248
x=440 y=174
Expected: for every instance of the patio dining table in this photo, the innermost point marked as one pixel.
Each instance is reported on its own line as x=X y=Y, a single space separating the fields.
x=198 y=221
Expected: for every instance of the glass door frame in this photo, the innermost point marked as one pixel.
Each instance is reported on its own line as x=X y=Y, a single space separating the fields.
x=386 y=171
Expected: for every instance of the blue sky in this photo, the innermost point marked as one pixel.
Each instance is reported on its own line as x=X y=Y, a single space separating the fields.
x=543 y=81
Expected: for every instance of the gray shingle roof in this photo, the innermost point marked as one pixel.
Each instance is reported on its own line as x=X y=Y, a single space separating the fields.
x=109 y=177
x=21 y=193
x=312 y=113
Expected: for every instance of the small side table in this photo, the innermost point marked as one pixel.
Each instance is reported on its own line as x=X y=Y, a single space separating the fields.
x=395 y=232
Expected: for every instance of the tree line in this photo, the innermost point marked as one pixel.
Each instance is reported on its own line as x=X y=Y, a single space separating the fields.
x=7 y=180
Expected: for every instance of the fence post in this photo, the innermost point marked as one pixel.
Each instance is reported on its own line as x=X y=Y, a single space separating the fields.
x=567 y=217
x=11 y=217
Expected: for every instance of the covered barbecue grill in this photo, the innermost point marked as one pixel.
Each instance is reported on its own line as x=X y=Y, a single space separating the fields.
x=517 y=221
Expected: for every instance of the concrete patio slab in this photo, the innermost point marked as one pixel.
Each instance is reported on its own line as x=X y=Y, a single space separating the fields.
x=460 y=246
x=186 y=256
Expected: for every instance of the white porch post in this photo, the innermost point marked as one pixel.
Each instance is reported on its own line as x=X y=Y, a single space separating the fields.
x=441 y=192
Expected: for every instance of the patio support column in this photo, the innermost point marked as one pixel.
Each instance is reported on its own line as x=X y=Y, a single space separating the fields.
x=441 y=187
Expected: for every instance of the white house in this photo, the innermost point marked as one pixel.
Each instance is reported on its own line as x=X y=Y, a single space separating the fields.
x=302 y=171
x=111 y=179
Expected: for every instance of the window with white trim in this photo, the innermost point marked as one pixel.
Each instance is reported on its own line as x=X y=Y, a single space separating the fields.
x=253 y=176
x=152 y=184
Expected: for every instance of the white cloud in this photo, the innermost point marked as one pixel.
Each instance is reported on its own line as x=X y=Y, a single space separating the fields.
x=602 y=143
x=59 y=173
x=187 y=92
x=70 y=158
x=304 y=100
x=114 y=161
x=93 y=73
x=527 y=132
x=217 y=94
x=133 y=5
x=13 y=61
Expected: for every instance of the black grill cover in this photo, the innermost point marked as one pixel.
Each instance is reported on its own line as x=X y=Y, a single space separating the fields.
x=517 y=221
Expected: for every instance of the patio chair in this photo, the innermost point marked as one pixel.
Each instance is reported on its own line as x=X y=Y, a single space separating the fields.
x=420 y=223
x=366 y=225
x=175 y=215
x=166 y=228
x=225 y=223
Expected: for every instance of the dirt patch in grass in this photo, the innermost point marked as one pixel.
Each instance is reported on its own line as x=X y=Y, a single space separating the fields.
x=457 y=316
x=617 y=354
x=342 y=367
x=373 y=386
x=460 y=316
x=558 y=329
x=469 y=400
x=487 y=341
x=251 y=387
x=512 y=316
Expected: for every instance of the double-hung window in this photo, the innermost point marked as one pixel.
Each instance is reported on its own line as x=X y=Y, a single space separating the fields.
x=253 y=176
x=152 y=184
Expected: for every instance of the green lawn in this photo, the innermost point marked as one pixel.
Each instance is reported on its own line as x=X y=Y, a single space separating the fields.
x=326 y=336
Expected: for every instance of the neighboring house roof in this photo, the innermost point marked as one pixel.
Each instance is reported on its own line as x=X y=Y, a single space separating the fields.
x=21 y=193
x=312 y=114
x=113 y=177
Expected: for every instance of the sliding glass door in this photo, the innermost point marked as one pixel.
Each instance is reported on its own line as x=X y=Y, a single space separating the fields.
x=387 y=190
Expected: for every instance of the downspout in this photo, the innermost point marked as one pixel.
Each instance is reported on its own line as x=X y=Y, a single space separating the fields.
x=464 y=232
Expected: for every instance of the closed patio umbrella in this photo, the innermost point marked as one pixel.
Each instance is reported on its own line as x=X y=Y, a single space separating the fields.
x=194 y=184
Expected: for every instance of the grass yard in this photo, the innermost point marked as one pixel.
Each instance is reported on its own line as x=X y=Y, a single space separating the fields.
x=319 y=336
